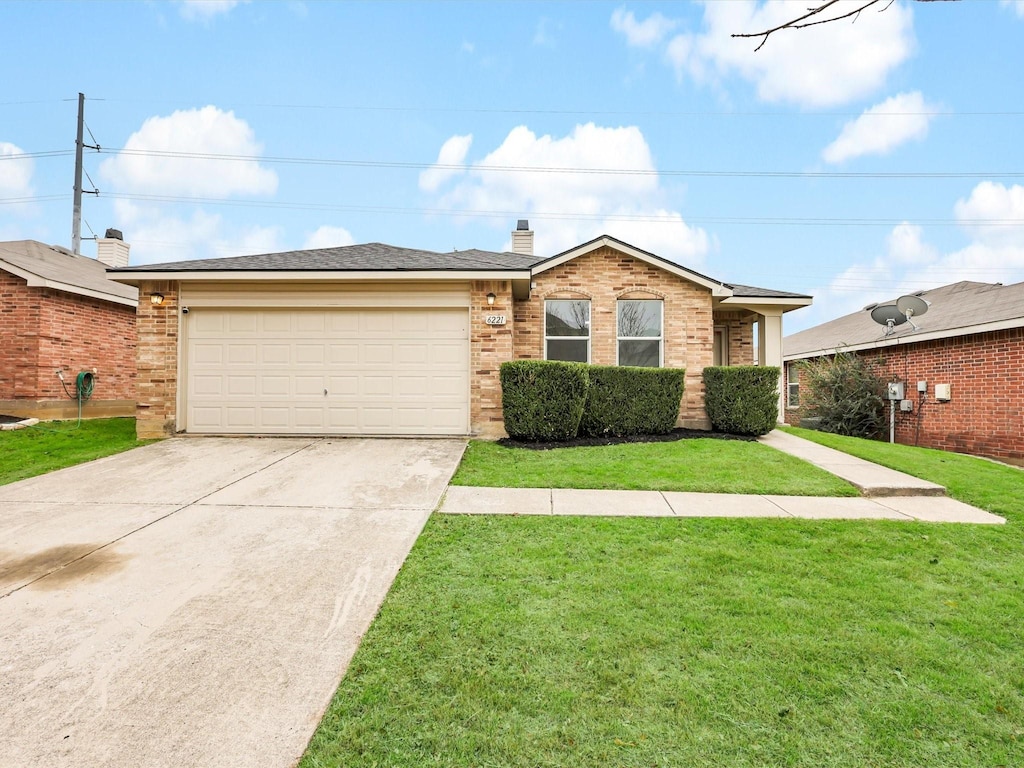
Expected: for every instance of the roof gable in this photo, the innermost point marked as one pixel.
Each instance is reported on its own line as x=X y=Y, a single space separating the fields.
x=717 y=288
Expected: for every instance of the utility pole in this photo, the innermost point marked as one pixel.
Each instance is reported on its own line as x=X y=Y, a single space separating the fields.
x=76 y=216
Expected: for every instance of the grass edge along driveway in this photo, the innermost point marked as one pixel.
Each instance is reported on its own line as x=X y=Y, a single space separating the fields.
x=702 y=465
x=53 y=445
x=519 y=641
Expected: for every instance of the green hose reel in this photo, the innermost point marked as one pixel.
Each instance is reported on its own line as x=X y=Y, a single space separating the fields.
x=84 y=383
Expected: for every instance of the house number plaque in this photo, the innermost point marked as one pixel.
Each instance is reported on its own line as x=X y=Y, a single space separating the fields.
x=494 y=319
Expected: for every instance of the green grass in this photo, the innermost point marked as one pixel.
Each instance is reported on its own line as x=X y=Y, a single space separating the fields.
x=986 y=484
x=537 y=641
x=701 y=465
x=54 y=445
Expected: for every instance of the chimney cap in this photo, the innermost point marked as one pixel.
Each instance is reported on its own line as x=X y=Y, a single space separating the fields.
x=523 y=225
x=114 y=234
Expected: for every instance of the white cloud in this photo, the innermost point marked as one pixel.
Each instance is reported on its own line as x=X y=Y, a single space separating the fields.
x=630 y=206
x=991 y=201
x=329 y=237
x=994 y=254
x=544 y=35
x=641 y=34
x=195 y=131
x=880 y=129
x=453 y=153
x=15 y=175
x=828 y=65
x=204 y=10
x=156 y=236
x=1016 y=5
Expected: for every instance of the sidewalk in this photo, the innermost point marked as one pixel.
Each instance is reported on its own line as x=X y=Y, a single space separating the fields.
x=887 y=495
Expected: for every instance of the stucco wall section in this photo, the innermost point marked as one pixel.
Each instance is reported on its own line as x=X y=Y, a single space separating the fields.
x=43 y=330
x=606 y=275
x=985 y=371
x=489 y=347
x=157 y=360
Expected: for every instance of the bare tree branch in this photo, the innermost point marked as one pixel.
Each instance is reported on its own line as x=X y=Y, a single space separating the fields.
x=809 y=19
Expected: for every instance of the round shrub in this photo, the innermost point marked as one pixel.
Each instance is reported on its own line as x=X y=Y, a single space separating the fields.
x=742 y=399
x=543 y=400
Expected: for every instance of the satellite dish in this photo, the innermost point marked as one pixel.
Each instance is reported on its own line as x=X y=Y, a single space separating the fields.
x=888 y=315
x=911 y=306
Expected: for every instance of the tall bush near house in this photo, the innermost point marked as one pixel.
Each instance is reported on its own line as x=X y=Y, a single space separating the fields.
x=846 y=393
x=543 y=400
x=742 y=399
x=624 y=400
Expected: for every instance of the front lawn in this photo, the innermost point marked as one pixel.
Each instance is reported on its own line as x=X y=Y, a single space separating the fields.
x=550 y=641
x=57 y=444
x=701 y=465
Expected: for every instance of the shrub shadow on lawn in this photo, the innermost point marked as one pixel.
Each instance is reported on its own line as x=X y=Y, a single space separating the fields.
x=577 y=442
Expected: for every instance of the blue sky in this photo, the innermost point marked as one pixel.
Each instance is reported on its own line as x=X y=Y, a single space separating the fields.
x=853 y=161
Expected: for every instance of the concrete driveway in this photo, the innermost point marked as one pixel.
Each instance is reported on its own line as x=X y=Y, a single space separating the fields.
x=195 y=602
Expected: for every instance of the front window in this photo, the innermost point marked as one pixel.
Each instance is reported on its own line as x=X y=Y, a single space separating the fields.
x=567 y=330
x=792 y=385
x=640 y=332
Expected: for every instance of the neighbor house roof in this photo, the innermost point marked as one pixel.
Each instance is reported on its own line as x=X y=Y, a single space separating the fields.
x=50 y=266
x=955 y=310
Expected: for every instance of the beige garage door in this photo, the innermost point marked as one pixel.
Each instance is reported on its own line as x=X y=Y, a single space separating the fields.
x=339 y=371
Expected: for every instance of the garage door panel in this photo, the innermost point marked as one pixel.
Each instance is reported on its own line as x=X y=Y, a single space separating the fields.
x=277 y=354
x=385 y=371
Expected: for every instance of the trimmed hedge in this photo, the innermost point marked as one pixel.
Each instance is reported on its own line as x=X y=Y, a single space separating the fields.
x=742 y=399
x=543 y=400
x=624 y=400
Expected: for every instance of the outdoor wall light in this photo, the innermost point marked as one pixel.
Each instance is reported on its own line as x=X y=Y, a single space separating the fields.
x=157 y=299
x=490 y=299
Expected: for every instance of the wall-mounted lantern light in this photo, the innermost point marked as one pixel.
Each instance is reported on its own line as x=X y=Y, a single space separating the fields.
x=157 y=299
x=490 y=299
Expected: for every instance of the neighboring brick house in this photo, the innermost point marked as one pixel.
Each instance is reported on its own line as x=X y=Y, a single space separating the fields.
x=59 y=312
x=968 y=356
x=375 y=339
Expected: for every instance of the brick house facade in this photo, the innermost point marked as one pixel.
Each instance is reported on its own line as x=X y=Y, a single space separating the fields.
x=697 y=313
x=51 y=321
x=984 y=371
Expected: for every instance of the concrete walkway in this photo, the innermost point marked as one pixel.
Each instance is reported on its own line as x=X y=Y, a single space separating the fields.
x=886 y=495
x=566 y=501
x=869 y=478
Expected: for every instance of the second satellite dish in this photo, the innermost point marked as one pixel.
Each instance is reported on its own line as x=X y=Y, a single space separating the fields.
x=891 y=315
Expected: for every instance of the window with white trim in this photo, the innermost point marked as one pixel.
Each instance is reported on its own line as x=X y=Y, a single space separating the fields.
x=567 y=330
x=640 y=332
x=792 y=385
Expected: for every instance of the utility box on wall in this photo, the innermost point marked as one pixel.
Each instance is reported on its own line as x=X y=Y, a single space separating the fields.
x=895 y=390
x=942 y=392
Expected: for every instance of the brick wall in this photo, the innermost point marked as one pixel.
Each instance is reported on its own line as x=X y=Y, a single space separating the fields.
x=489 y=347
x=739 y=327
x=157 y=360
x=606 y=275
x=985 y=372
x=43 y=330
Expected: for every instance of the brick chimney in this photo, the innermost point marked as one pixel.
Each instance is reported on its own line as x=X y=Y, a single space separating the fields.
x=112 y=250
x=522 y=238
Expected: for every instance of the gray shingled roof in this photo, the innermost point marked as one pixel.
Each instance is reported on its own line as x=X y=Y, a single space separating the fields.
x=752 y=292
x=953 y=307
x=380 y=257
x=376 y=257
x=58 y=265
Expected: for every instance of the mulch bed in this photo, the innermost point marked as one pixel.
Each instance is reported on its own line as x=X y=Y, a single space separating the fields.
x=671 y=437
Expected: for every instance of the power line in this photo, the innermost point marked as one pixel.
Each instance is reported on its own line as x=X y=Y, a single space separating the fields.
x=45 y=153
x=652 y=172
